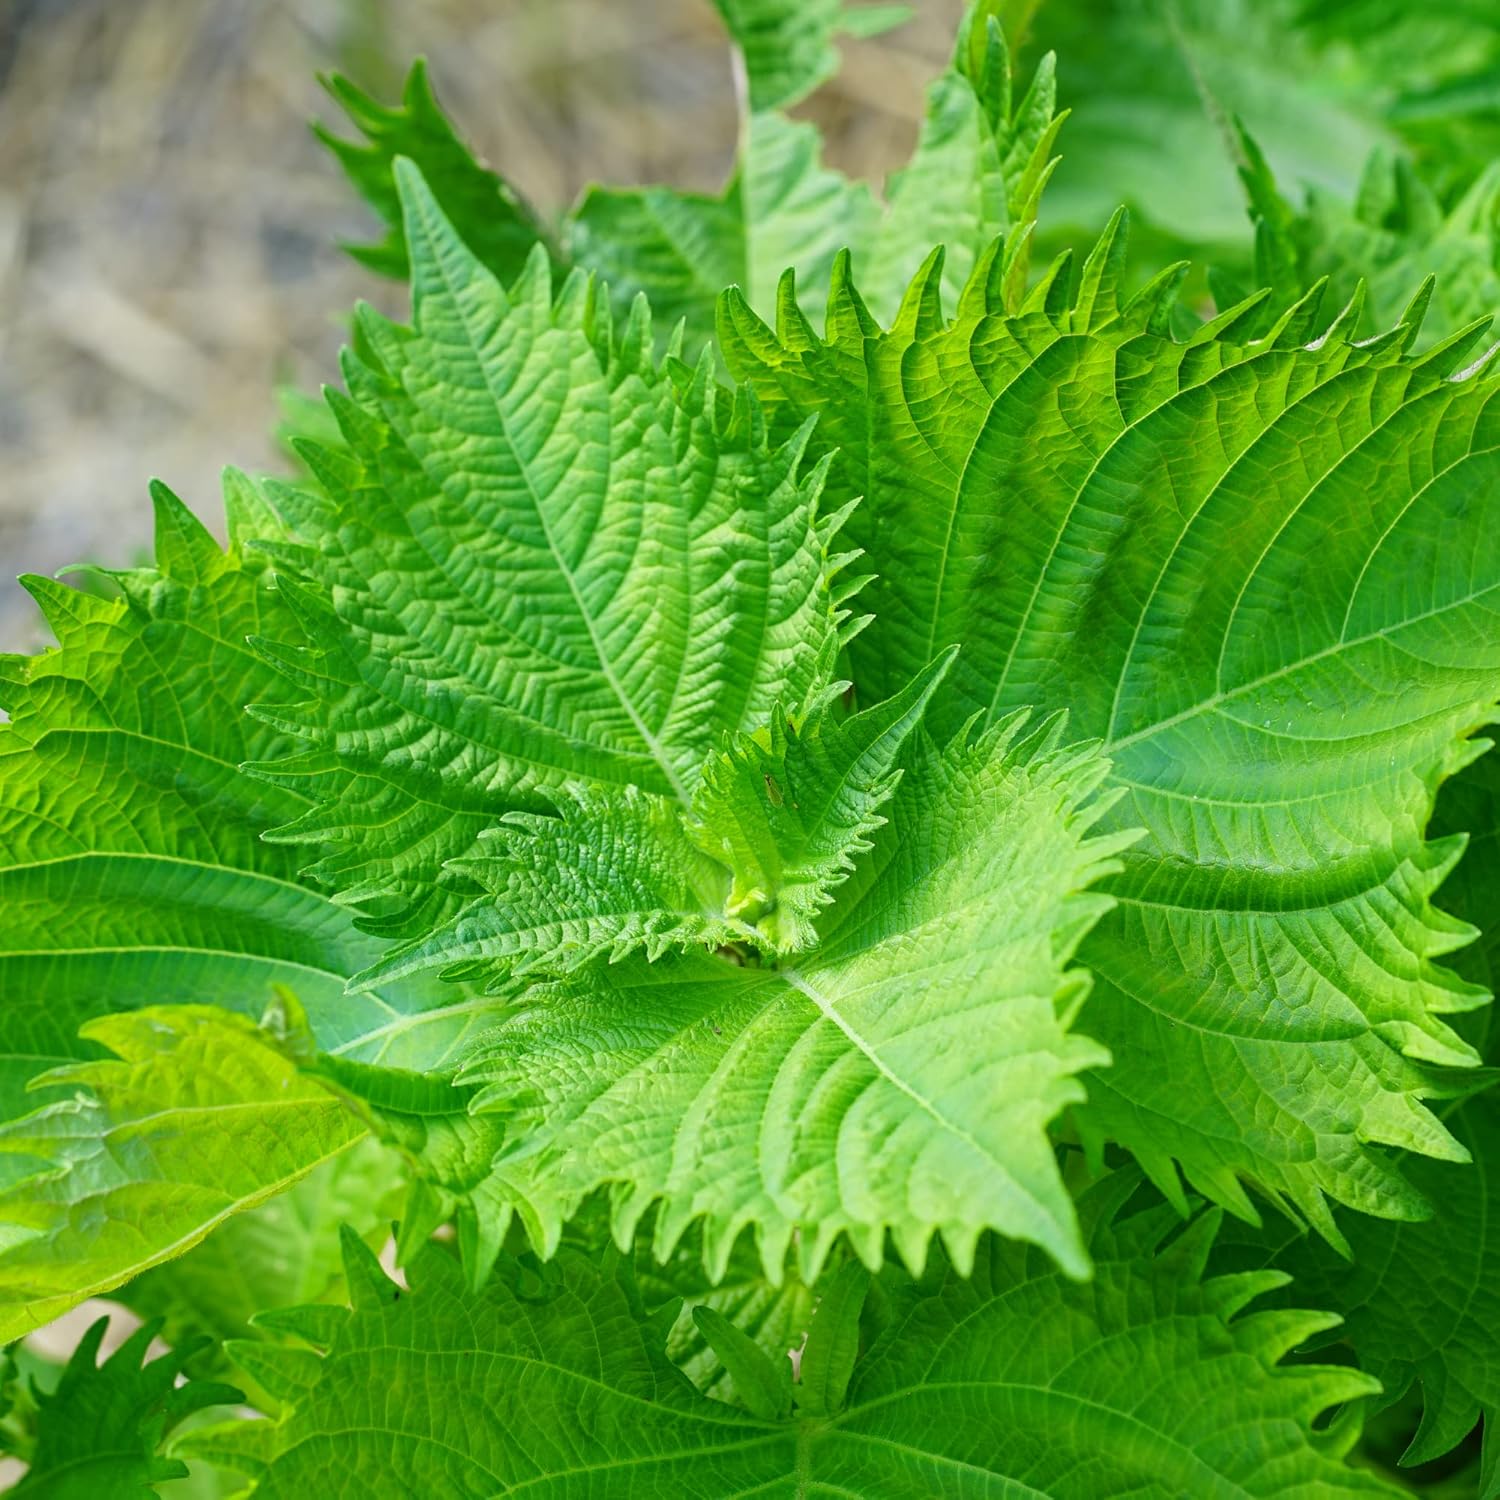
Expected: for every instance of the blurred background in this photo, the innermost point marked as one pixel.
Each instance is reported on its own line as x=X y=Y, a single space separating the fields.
x=169 y=226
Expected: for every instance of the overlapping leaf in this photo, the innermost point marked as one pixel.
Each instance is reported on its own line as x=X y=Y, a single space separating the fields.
x=282 y=1253
x=132 y=867
x=1265 y=575
x=783 y=207
x=787 y=46
x=608 y=872
x=788 y=808
x=99 y=1433
x=1150 y=1381
x=1421 y=1302
x=981 y=162
x=496 y=223
x=900 y=1075
x=1393 y=235
x=542 y=558
x=1153 y=89
x=978 y=170
x=774 y=826
x=134 y=874
x=196 y=1117
x=777 y=1318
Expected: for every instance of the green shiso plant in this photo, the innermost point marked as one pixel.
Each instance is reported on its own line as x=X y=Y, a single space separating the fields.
x=797 y=863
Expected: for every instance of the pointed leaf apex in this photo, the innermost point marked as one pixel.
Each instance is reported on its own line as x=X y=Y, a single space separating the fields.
x=369 y=1287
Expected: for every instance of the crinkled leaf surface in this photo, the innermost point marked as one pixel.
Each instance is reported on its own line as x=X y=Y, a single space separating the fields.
x=1421 y=1302
x=542 y=558
x=99 y=1433
x=132 y=867
x=135 y=874
x=774 y=826
x=898 y=1076
x=788 y=808
x=606 y=873
x=1150 y=1381
x=1265 y=574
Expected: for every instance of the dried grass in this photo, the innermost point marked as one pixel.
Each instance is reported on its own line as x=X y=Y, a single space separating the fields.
x=168 y=226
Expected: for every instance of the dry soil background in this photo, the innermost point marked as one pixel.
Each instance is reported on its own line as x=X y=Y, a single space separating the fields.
x=169 y=227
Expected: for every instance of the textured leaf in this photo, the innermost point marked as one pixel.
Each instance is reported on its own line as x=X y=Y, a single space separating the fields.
x=99 y=1432
x=776 y=1317
x=1265 y=575
x=774 y=826
x=1421 y=1302
x=1392 y=236
x=764 y=1384
x=133 y=871
x=609 y=873
x=832 y=1345
x=1149 y=1382
x=132 y=868
x=781 y=208
x=978 y=171
x=901 y=1076
x=541 y=561
x=198 y=1116
x=788 y=808
x=786 y=46
x=496 y=224
x=284 y=1252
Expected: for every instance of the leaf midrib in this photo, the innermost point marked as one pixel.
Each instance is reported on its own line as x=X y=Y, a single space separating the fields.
x=652 y=744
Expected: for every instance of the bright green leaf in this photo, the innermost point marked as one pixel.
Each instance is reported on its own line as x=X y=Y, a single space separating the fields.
x=786 y=46
x=607 y=874
x=284 y=1252
x=765 y=1387
x=900 y=1077
x=832 y=1343
x=782 y=208
x=99 y=1433
x=788 y=808
x=196 y=1117
x=586 y=571
x=1264 y=574
x=1392 y=236
x=496 y=224
x=1150 y=1381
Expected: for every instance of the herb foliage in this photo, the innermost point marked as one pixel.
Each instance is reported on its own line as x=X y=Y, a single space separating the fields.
x=887 y=898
